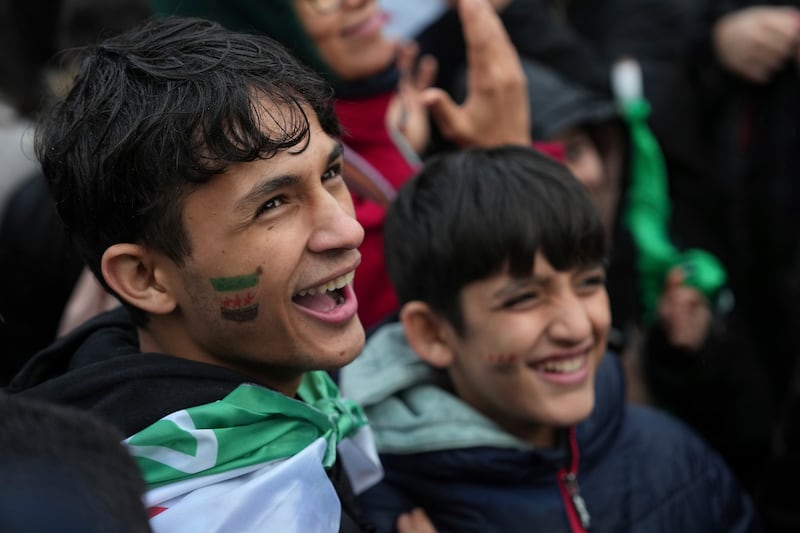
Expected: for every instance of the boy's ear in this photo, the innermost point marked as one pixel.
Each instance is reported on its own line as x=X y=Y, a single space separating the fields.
x=425 y=332
x=135 y=274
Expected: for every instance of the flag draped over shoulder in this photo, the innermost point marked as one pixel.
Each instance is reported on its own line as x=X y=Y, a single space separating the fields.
x=248 y=460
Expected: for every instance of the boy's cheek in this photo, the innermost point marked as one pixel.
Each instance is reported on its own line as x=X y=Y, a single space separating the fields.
x=500 y=360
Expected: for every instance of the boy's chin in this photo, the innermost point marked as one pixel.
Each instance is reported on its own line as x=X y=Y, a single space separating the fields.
x=575 y=411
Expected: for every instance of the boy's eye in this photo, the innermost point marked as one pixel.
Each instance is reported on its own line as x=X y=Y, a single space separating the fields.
x=519 y=299
x=592 y=281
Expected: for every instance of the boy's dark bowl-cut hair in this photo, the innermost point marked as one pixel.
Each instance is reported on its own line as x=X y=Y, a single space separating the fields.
x=160 y=109
x=469 y=213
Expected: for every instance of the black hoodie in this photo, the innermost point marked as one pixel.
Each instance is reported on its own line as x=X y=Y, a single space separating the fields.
x=99 y=368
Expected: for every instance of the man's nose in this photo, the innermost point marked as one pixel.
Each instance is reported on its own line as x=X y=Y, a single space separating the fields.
x=335 y=226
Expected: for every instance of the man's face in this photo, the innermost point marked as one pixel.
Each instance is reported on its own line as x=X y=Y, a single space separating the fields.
x=531 y=347
x=349 y=39
x=267 y=289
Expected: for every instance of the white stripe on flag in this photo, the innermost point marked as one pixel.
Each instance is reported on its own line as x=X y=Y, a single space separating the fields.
x=205 y=455
x=293 y=495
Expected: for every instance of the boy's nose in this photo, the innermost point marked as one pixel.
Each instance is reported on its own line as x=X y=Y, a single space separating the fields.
x=570 y=322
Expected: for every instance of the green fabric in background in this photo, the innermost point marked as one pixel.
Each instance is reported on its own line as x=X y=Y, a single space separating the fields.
x=647 y=215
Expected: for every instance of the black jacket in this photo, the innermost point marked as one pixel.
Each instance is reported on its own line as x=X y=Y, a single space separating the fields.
x=100 y=368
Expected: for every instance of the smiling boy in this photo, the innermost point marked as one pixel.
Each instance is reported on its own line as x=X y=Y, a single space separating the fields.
x=492 y=404
x=199 y=172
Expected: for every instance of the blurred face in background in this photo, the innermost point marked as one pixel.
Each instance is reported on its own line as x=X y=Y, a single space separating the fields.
x=348 y=35
x=582 y=158
x=600 y=175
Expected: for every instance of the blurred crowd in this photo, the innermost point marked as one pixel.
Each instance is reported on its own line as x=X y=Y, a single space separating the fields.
x=697 y=188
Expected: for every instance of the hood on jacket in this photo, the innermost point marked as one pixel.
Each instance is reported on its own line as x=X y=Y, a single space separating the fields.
x=399 y=404
x=98 y=367
x=558 y=104
x=410 y=409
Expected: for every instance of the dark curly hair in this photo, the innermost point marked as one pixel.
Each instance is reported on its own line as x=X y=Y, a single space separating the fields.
x=160 y=109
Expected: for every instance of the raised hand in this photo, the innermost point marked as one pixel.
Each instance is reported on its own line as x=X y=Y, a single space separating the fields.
x=408 y=113
x=684 y=313
x=496 y=110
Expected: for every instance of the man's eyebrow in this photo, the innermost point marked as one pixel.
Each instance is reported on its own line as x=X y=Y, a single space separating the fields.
x=336 y=152
x=272 y=185
x=265 y=188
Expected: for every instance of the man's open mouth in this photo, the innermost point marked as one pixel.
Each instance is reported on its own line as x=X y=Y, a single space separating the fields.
x=326 y=297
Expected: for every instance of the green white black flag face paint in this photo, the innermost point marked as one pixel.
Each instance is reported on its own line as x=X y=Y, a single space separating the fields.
x=238 y=293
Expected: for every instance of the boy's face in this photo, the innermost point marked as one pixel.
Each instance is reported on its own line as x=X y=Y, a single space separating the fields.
x=531 y=348
x=350 y=39
x=267 y=289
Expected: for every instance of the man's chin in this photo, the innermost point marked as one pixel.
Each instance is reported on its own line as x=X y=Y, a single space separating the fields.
x=334 y=356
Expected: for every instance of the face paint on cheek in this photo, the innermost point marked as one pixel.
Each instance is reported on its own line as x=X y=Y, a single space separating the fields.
x=237 y=296
x=501 y=361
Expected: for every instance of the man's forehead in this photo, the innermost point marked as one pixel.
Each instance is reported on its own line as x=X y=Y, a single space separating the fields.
x=272 y=112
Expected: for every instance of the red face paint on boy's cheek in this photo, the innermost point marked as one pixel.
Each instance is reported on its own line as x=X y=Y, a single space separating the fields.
x=500 y=359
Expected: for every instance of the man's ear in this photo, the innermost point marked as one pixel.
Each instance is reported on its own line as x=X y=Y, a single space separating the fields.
x=135 y=274
x=425 y=331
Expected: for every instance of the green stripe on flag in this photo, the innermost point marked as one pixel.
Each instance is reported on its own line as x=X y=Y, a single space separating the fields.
x=251 y=425
x=235 y=283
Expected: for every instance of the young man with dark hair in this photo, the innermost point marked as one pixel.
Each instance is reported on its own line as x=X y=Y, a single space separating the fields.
x=492 y=404
x=199 y=172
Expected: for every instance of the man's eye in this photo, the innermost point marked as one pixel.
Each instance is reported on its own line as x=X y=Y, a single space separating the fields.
x=332 y=173
x=272 y=203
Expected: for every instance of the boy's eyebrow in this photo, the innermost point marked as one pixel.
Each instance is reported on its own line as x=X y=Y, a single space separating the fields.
x=601 y=264
x=271 y=185
x=516 y=284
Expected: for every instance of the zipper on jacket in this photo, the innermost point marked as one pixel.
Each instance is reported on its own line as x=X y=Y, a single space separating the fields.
x=577 y=512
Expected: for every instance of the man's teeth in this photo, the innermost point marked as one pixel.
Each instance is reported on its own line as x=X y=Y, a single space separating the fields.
x=332 y=285
x=562 y=366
